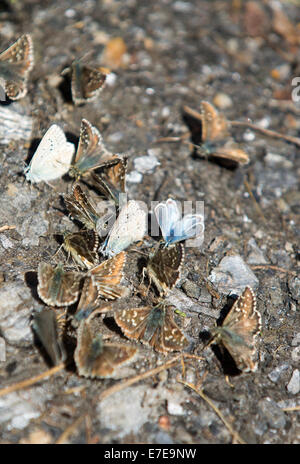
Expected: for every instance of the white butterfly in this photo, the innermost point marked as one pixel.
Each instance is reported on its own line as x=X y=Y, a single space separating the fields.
x=52 y=158
x=130 y=227
x=175 y=228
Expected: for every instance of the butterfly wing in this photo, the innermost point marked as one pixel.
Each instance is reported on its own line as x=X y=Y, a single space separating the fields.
x=94 y=358
x=113 y=356
x=111 y=181
x=52 y=158
x=240 y=329
x=108 y=275
x=91 y=152
x=81 y=208
x=214 y=124
x=45 y=326
x=191 y=225
x=83 y=247
x=87 y=82
x=232 y=152
x=15 y=64
x=57 y=287
x=172 y=338
x=165 y=265
x=133 y=321
x=167 y=214
x=130 y=227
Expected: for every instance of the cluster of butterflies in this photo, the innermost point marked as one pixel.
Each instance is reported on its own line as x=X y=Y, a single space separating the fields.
x=126 y=223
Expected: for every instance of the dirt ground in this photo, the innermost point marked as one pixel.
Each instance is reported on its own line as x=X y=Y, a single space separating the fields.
x=239 y=55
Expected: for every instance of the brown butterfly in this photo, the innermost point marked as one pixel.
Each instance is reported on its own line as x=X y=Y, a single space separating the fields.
x=164 y=266
x=91 y=152
x=15 y=64
x=57 y=287
x=239 y=330
x=96 y=358
x=88 y=303
x=153 y=326
x=81 y=208
x=111 y=182
x=86 y=82
x=82 y=246
x=44 y=325
x=215 y=139
x=108 y=275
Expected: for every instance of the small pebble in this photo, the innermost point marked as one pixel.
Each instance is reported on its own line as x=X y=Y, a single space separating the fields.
x=275 y=374
x=146 y=164
x=134 y=177
x=272 y=413
x=175 y=409
x=293 y=386
x=232 y=275
x=2 y=350
x=222 y=101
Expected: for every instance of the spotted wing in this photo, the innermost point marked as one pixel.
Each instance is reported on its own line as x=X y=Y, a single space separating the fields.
x=108 y=275
x=240 y=329
x=165 y=265
x=15 y=64
x=86 y=83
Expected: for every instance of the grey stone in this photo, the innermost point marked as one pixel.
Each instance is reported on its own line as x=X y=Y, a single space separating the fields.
x=163 y=438
x=293 y=386
x=6 y=242
x=186 y=304
x=14 y=124
x=275 y=374
x=272 y=413
x=191 y=289
x=129 y=416
x=18 y=408
x=296 y=340
x=272 y=159
x=255 y=256
x=2 y=350
x=15 y=314
x=296 y=355
x=32 y=228
x=134 y=177
x=281 y=258
x=294 y=287
x=146 y=164
x=232 y=275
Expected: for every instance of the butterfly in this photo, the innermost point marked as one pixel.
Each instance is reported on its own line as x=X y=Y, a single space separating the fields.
x=44 y=325
x=111 y=182
x=153 y=326
x=82 y=246
x=52 y=158
x=15 y=64
x=215 y=139
x=96 y=358
x=174 y=228
x=108 y=275
x=91 y=152
x=82 y=209
x=164 y=266
x=86 y=82
x=239 y=330
x=88 y=303
x=130 y=227
x=57 y=287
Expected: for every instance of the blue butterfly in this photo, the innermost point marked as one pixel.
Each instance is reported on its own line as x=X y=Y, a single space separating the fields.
x=175 y=228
